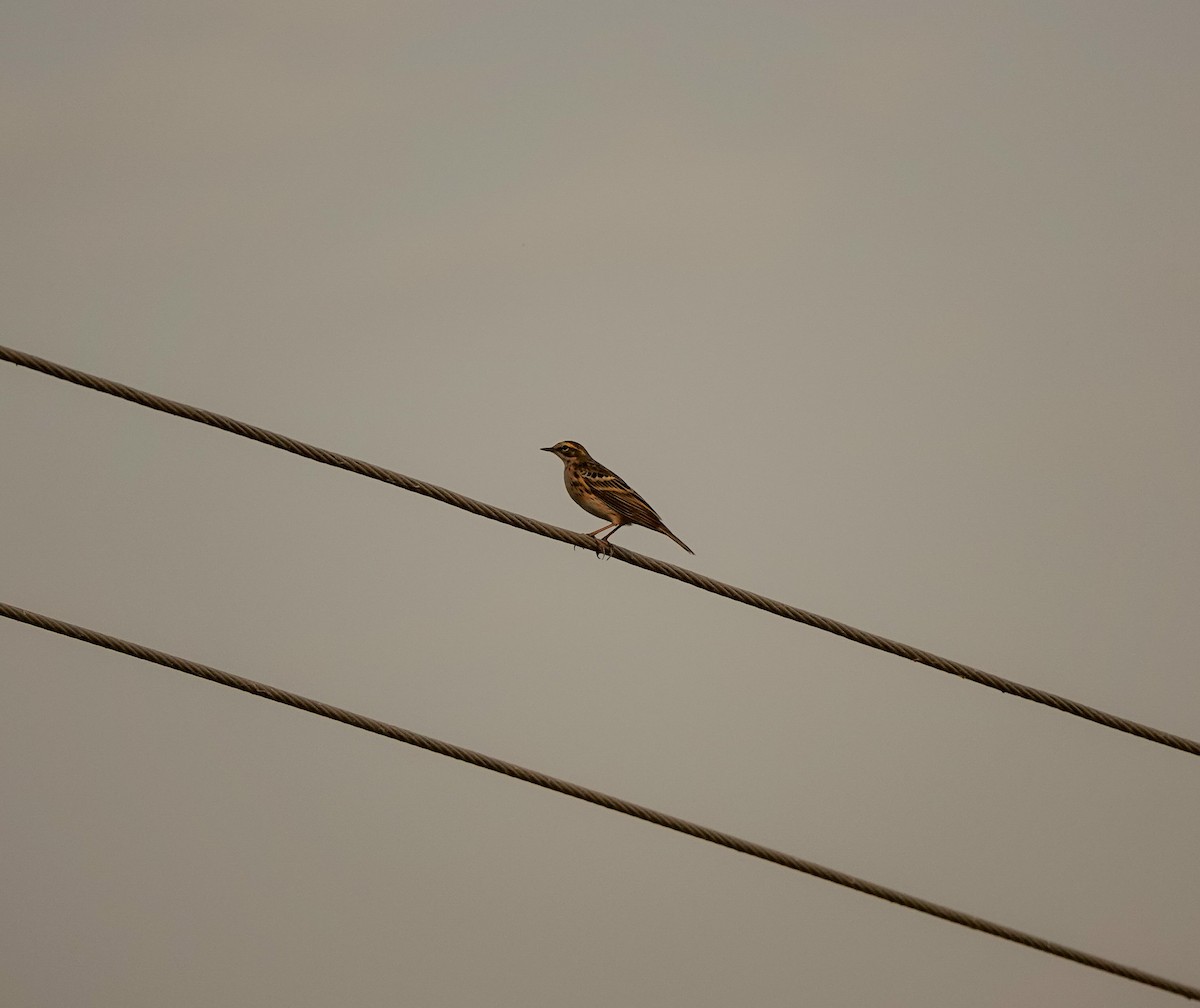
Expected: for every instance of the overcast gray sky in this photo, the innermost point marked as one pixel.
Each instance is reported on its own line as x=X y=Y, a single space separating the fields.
x=890 y=309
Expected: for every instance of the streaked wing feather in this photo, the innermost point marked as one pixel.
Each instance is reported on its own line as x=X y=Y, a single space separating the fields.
x=622 y=498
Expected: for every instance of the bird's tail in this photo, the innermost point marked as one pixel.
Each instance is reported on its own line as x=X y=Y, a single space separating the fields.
x=667 y=532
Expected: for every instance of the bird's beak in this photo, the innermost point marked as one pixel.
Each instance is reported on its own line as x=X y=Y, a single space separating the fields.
x=547 y=449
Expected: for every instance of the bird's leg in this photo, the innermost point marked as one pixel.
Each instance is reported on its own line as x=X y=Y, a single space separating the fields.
x=610 y=528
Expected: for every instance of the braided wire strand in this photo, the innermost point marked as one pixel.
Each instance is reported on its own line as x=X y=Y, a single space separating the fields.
x=587 y=794
x=656 y=566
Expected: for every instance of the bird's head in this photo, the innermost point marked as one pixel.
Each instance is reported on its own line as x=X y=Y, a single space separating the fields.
x=568 y=450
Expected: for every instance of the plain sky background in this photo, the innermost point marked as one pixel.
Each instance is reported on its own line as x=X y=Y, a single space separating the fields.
x=890 y=309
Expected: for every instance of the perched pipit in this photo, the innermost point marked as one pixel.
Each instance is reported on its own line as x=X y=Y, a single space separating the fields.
x=602 y=492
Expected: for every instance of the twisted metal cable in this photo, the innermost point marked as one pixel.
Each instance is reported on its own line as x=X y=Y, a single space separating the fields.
x=589 y=795
x=708 y=584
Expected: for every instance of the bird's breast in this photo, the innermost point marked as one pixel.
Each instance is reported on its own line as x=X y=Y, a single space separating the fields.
x=580 y=493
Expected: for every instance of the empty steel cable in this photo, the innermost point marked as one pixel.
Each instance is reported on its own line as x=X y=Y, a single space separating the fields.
x=354 y=465
x=589 y=795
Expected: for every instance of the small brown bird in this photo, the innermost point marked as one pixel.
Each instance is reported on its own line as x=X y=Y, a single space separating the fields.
x=602 y=492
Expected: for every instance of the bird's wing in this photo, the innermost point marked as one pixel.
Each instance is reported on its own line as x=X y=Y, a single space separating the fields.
x=621 y=497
